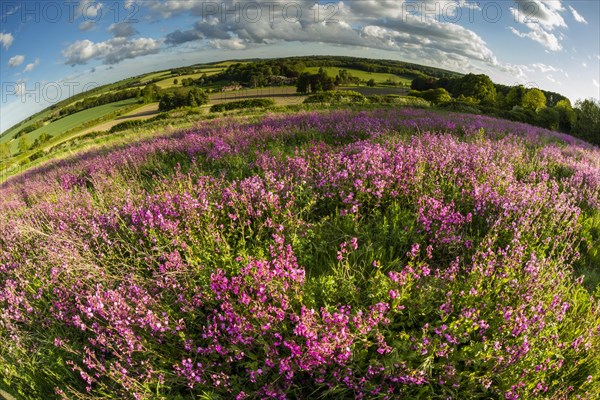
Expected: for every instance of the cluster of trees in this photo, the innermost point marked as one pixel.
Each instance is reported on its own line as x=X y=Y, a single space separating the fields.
x=150 y=93
x=434 y=96
x=43 y=138
x=91 y=102
x=28 y=129
x=586 y=123
x=183 y=71
x=367 y=65
x=242 y=104
x=312 y=83
x=24 y=144
x=185 y=82
x=474 y=88
x=477 y=93
x=180 y=98
x=257 y=74
x=337 y=97
x=5 y=152
x=346 y=78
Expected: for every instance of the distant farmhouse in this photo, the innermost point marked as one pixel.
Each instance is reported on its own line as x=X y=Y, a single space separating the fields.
x=231 y=88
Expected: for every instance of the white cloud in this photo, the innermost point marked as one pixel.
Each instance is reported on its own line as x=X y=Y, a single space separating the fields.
x=595 y=82
x=546 y=39
x=6 y=39
x=122 y=29
x=553 y=80
x=89 y=9
x=577 y=16
x=382 y=25
x=544 y=68
x=31 y=66
x=109 y=52
x=87 y=25
x=16 y=61
x=546 y=14
x=541 y=18
x=584 y=64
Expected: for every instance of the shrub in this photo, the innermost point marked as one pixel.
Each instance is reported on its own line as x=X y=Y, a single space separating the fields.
x=337 y=97
x=242 y=104
x=123 y=126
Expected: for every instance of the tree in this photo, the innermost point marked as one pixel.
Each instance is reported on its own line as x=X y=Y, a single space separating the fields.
x=180 y=98
x=534 y=99
x=5 y=152
x=514 y=98
x=197 y=97
x=433 y=95
x=371 y=82
x=567 y=116
x=150 y=93
x=480 y=87
x=423 y=83
x=175 y=81
x=308 y=83
x=303 y=83
x=24 y=144
x=588 y=120
x=167 y=102
x=549 y=117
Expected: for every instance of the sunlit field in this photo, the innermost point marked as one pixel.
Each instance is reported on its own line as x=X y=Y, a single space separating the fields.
x=394 y=253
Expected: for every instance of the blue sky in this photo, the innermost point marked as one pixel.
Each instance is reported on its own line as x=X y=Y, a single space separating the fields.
x=51 y=49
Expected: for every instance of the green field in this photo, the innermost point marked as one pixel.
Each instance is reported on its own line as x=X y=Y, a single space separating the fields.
x=79 y=119
x=154 y=75
x=168 y=82
x=229 y=63
x=379 y=77
x=10 y=133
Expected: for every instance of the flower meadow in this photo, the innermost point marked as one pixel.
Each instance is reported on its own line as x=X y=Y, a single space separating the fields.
x=379 y=254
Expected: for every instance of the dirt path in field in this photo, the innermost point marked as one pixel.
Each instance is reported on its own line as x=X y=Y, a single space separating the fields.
x=281 y=95
x=144 y=112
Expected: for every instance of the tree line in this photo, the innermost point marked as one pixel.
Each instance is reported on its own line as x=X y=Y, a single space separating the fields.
x=477 y=93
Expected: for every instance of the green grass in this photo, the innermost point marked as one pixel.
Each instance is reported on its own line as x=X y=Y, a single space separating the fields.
x=10 y=133
x=80 y=119
x=378 y=76
x=155 y=75
x=168 y=82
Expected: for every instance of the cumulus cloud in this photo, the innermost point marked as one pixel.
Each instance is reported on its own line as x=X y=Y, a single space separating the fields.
x=546 y=39
x=31 y=66
x=16 y=61
x=577 y=16
x=122 y=29
x=6 y=39
x=542 y=18
x=380 y=24
x=89 y=9
x=87 y=26
x=109 y=52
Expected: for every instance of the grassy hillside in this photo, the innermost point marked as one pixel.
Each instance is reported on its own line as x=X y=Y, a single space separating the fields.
x=383 y=253
x=168 y=82
x=77 y=120
x=379 y=77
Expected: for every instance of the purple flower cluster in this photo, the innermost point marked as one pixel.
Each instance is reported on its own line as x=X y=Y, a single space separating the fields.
x=380 y=254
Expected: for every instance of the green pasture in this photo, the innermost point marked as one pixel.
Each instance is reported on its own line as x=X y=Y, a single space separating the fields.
x=80 y=119
x=379 y=77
